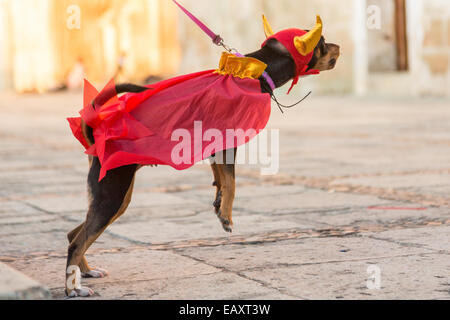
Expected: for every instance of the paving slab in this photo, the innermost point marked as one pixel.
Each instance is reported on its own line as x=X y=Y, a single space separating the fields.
x=421 y=277
x=200 y=226
x=50 y=241
x=16 y=286
x=310 y=199
x=60 y=203
x=434 y=238
x=217 y=286
x=399 y=181
x=393 y=213
x=300 y=252
x=10 y=208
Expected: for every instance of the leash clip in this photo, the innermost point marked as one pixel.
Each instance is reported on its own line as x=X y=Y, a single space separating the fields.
x=219 y=41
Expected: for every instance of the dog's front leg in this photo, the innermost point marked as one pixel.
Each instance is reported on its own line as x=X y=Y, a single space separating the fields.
x=226 y=171
x=217 y=183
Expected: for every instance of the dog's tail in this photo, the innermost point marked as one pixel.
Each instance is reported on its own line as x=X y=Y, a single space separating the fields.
x=88 y=132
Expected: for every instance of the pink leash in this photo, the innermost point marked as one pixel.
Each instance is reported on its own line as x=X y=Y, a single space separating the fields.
x=215 y=37
x=217 y=40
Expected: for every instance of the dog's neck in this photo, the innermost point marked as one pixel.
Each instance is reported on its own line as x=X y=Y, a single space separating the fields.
x=280 y=65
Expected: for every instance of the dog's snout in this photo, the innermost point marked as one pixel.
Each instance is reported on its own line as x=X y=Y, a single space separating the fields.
x=335 y=49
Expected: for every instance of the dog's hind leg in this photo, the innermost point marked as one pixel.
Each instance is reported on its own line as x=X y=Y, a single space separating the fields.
x=108 y=200
x=84 y=266
x=86 y=270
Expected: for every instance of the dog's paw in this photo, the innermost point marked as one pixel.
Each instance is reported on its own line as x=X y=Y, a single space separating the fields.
x=226 y=224
x=95 y=273
x=82 y=292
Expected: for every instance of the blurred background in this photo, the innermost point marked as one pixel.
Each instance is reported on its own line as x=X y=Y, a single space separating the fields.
x=389 y=47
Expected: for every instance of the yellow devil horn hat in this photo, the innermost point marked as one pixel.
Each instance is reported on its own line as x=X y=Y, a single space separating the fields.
x=306 y=43
x=267 y=28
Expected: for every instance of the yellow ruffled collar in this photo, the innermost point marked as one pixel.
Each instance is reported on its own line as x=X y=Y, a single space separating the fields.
x=241 y=67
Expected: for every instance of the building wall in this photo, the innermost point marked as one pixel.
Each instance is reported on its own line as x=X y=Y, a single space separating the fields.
x=434 y=54
x=429 y=53
x=381 y=42
x=32 y=49
x=5 y=49
x=142 y=32
x=44 y=48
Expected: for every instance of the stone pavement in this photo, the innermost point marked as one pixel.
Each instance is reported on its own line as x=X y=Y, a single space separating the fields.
x=361 y=200
x=14 y=285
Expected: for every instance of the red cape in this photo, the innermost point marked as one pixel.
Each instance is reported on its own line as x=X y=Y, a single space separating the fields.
x=138 y=128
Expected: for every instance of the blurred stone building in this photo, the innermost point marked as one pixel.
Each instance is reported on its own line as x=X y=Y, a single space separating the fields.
x=389 y=47
x=46 y=39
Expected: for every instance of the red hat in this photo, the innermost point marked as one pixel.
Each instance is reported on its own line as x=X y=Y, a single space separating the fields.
x=300 y=44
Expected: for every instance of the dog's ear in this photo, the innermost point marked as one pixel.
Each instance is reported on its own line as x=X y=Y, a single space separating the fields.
x=320 y=49
x=278 y=47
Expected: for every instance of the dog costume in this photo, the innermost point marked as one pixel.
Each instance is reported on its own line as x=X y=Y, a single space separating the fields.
x=225 y=108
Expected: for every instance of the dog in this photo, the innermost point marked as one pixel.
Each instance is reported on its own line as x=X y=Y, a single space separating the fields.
x=110 y=197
